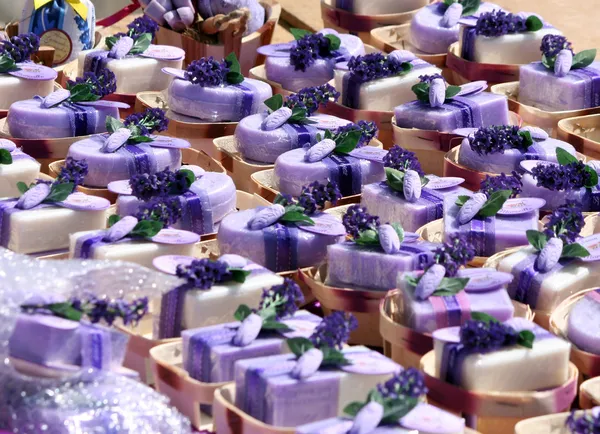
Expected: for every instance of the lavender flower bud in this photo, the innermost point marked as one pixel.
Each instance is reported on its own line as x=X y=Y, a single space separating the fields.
x=437 y=92
x=33 y=197
x=429 y=281
x=121 y=48
x=471 y=208
x=368 y=418
x=452 y=15
x=266 y=217
x=536 y=132
x=307 y=364
x=276 y=119
x=550 y=255
x=319 y=151
x=248 y=331
x=563 y=63
x=120 y=229
x=402 y=56
x=389 y=239
x=412 y=186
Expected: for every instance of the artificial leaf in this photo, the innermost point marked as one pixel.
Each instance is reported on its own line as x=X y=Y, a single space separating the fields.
x=347 y=143
x=60 y=192
x=234 y=64
x=234 y=77
x=396 y=409
x=470 y=7
x=574 y=250
x=526 y=338
x=242 y=312
x=140 y=139
x=461 y=200
x=22 y=187
x=399 y=230
x=141 y=44
x=593 y=181
x=527 y=139
x=110 y=41
x=421 y=90
x=305 y=121
x=334 y=42
x=406 y=68
x=412 y=280
x=298 y=114
x=297 y=217
x=374 y=395
x=548 y=62
x=452 y=91
x=328 y=134
x=113 y=219
x=424 y=181
x=238 y=275
x=480 y=316
x=395 y=179
x=294 y=208
x=451 y=286
x=333 y=357
x=280 y=200
x=65 y=310
x=189 y=176
x=564 y=158
x=299 y=346
x=82 y=92
x=5 y=156
x=299 y=33
x=353 y=408
x=146 y=229
x=449 y=2
x=533 y=23
x=494 y=203
x=275 y=325
x=583 y=58
x=275 y=102
x=7 y=64
x=113 y=124
x=367 y=238
x=537 y=239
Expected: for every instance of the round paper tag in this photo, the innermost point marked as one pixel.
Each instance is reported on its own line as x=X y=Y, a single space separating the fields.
x=369 y=363
x=300 y=328
x=163 y=52
x=169 y=142
x=328 y=122
x=120 y=187
x=32 y=71
x=521 y=205
x=175 y=236
x=325 y=224
x=276 y=50
x=449 y=334
x=84 y=202
x=430 y=419
x=104 y=103
x=485 y=279
x=61 y=41
x=592 y=244
x=370 y=153
x=178 y=73
x=528 y=165
x=8 y=145
x=168 y=263
x=472 y=88
x=444 y=182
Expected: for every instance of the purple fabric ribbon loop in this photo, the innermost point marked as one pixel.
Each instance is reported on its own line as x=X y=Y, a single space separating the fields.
x=171 y=311
x=245 y=99
x=468 y=43
x=453 y=309
x=96 y=61
x=95 y=347
x=198 y=362
x=482 y=234
x=346 y=171
x=453 y=356
x=281 y=247
x=592 y=85
x=81 y=118
x=140 y=159
x=196 y=213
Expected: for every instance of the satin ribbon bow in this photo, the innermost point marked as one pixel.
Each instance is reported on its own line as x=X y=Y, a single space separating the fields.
x=78 y=6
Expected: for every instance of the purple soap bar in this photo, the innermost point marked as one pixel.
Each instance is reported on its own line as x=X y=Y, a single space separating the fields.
x=492 y=234
x=510 y=159
x=491 y=297
x=256 y=144
x=218 y=103
x=554 y=199
x=427 y=34
x=540 y=87
x=484 y=110
x=28 y=120
x=57 y=343
x=370 y=267
x=391 y=206
x=122 y=164
x=210 y=8
x=292 y=172
x=209 y=356
x=277 y=247
x=584 y=323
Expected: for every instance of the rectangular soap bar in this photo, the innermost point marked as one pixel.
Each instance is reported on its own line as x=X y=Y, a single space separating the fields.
x=266 y=391
x=379 y=7
x=482 y=110
x=515 y=368
x=13 y=89
x=385 y=93
x=540 y=87
x=372 y=268
x=391 y=206
x=209 y=356
x=23 y=169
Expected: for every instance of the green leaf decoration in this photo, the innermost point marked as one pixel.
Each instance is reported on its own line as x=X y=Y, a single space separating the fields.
x=82 y=92
x=347 y=143
x=140 y=139
x=297 y=217
x=22 y=187
x=238 y=275
x=480 y=316
x=275 y=102
x=59 y=192
x=65 y=310
x=299 y=346
x=189 y=176
x=275 y=325
x=7 y=64
x=461 y=200
x=526 y=338
x=549 y=62
x=113 y=219
x=113 y=124
x=452 y=91
x=110 y=41
x=5 y=156
x=294 y=208
x=234 y=78
x=396 y=409
x=146 y=229
x=334 y=42
x=333 y=358
x=367 y=238
x=424 y=181
x=537 y=239
x=412 y=280
x=421 y=90
x=234 y=64
x=533 y=23
x=280 y=200
x=374 y=395
x=527 y=139
x=328 y=134
x=298 y=114
x=451 y=286
x=406 y=68
x=299 y=33
x=353 y=408
x=583 y=59
x=449 y=2
x=395 y=179
x=470 y=7
x=494 y=203
x=593 y=181
x=399 y=230
x=564 y=158
x=574 y=250
x=141 y=44
x=242 y=312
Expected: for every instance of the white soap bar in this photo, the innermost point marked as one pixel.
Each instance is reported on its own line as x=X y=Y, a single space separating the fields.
x=140 y=252
x=21 y=170
x=514 y=49
x=13 y=89
x=137 y=74
x=48 y=228
x=386 y=93
x=514 y=368
x=379 y=7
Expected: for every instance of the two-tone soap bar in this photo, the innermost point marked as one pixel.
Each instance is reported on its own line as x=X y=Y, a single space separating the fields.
x=30 y=80
x=583 y=328
x=22 y=169
x=391 y=206
x=485 y=292
x=508 y=369
x=266 y=391
x=378 y=7
x=351 y=265
x=210 y=357
x=278 y=247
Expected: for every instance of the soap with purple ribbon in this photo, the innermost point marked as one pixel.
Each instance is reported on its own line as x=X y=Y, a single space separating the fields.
x=518 y=356
x=502 y=38
x=15 y=166
x=432 y=33
x=378 y=7
x=582 y=326
x=501 y=148
x=471 y=107
x=296 y=66
x=216 y=91
x=263 y=137
x=378 y=82
x=209 y=301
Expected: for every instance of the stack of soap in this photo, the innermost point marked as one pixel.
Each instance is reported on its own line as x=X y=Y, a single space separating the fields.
x=511 y=368
x=22 y=169
x=378 y=7
x=582 y=328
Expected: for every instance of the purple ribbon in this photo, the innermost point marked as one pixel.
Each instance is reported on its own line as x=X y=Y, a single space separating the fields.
x=81 y=118
x=7 y=207
x=139 y=158
x=346 y=5
x=95 y=347
x=196 y=212
x=245 y=99
x=468 y=43
x=346 y=171
x=300 y=135
x=469 y=112
x=198 y=362
x=281 y=247
x=453 y=309
x=96 y=61
x=592 y=85
x=422 y=256
x=435 y=205
x=87 y=244
x=482 y=234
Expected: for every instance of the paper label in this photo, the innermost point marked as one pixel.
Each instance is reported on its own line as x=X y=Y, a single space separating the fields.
x=168 y=263
x=84 y=202
x=175 y=236
x=485 y=279
x=61 y=41
x=276 y=50
x=32 y=71
x=521 y=205
x=528 y=165
x=325 y=224
x=448 y=334
x=443 y=183
x=178 y=73
x=328 y=122
x=369 y=363
x=169 y=142
x=592 y=244
x=163 y=52
x=120 y=187
x=472 y=88
x=370 y=153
